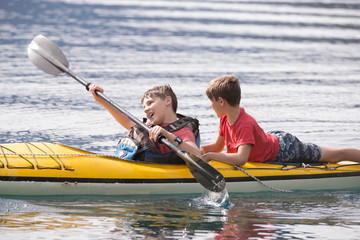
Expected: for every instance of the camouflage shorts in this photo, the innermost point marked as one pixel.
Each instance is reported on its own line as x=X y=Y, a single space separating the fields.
x=292 y=150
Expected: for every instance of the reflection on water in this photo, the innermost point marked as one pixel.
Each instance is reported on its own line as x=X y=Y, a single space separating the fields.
x=262 y=215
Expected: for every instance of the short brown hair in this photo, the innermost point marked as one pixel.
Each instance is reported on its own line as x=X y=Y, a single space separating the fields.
x=161 y=92
x=226 y=87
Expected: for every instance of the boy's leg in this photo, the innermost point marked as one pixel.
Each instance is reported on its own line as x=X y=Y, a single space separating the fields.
x=334 y=155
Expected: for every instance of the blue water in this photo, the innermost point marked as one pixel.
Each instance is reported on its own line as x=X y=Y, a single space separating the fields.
x=299 y=66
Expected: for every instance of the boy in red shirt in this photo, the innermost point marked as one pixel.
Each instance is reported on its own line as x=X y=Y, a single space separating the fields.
x=246 y=141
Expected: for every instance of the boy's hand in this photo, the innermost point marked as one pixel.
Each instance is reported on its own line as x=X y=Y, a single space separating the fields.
x=93 y=88
x=202 y=150
x=207 y=156
x=157 y=131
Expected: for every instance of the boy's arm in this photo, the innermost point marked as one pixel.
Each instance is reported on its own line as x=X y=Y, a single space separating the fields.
x=186 y=145
x=121 y=118
x=217 y=146
x=237 y=159
x=189 y=146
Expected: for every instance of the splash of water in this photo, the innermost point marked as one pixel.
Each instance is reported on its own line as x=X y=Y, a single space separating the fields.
x=216 y=199
x=213 y=199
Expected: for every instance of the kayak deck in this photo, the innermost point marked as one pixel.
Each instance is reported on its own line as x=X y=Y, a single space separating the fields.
x=56 y=169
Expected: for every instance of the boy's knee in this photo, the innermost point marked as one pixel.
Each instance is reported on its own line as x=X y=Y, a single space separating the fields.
x=332 y=155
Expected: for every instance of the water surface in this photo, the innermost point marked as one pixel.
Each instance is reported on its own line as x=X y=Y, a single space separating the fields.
x=299 y=66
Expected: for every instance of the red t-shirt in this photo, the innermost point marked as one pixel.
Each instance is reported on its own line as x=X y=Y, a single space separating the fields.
x=185 y=133
x=246 y=130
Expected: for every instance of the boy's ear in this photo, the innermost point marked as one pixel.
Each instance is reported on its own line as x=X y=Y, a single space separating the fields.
x=221 y=100
x=168 y=100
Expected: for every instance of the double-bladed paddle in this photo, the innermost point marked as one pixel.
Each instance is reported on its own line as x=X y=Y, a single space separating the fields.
x=47 y=56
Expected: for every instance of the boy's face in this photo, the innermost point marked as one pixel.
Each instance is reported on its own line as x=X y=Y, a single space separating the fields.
x=155 y=109
x=217 y=106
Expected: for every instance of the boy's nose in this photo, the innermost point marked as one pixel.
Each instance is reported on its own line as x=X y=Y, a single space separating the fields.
x=146 y=109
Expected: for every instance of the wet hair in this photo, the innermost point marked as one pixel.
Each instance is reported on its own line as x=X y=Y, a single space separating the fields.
x=227 y=87
x=161 y=92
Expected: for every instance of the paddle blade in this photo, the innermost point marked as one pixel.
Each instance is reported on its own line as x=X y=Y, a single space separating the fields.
x=39 y=51
x=205 y=174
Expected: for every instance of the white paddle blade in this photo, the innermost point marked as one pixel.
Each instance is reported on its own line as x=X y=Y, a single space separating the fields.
x=41 y=52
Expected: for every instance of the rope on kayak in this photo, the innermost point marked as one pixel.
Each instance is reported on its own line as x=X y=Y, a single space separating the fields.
x=327 y=168
x=261 y=182
x=331 y=168
x=62 y=155
x=54 y=156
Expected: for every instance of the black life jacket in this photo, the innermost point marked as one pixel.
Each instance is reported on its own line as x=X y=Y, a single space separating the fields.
x=136 y=144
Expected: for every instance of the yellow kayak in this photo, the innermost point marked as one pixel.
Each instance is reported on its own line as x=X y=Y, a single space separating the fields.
x=55 y=169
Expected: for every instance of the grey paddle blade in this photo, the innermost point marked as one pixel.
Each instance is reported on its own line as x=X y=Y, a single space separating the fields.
x=205 y=174
x=42 y=52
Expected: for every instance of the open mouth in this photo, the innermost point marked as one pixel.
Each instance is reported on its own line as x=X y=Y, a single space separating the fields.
x=150 y=115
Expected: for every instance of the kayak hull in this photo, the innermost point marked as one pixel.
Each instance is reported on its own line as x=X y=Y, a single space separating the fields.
x=30 y=188
x=55 y=169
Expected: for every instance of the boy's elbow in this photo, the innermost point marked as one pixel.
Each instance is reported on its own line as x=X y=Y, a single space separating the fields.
x=190 y=146
x=196 y=151
x=239 y=160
